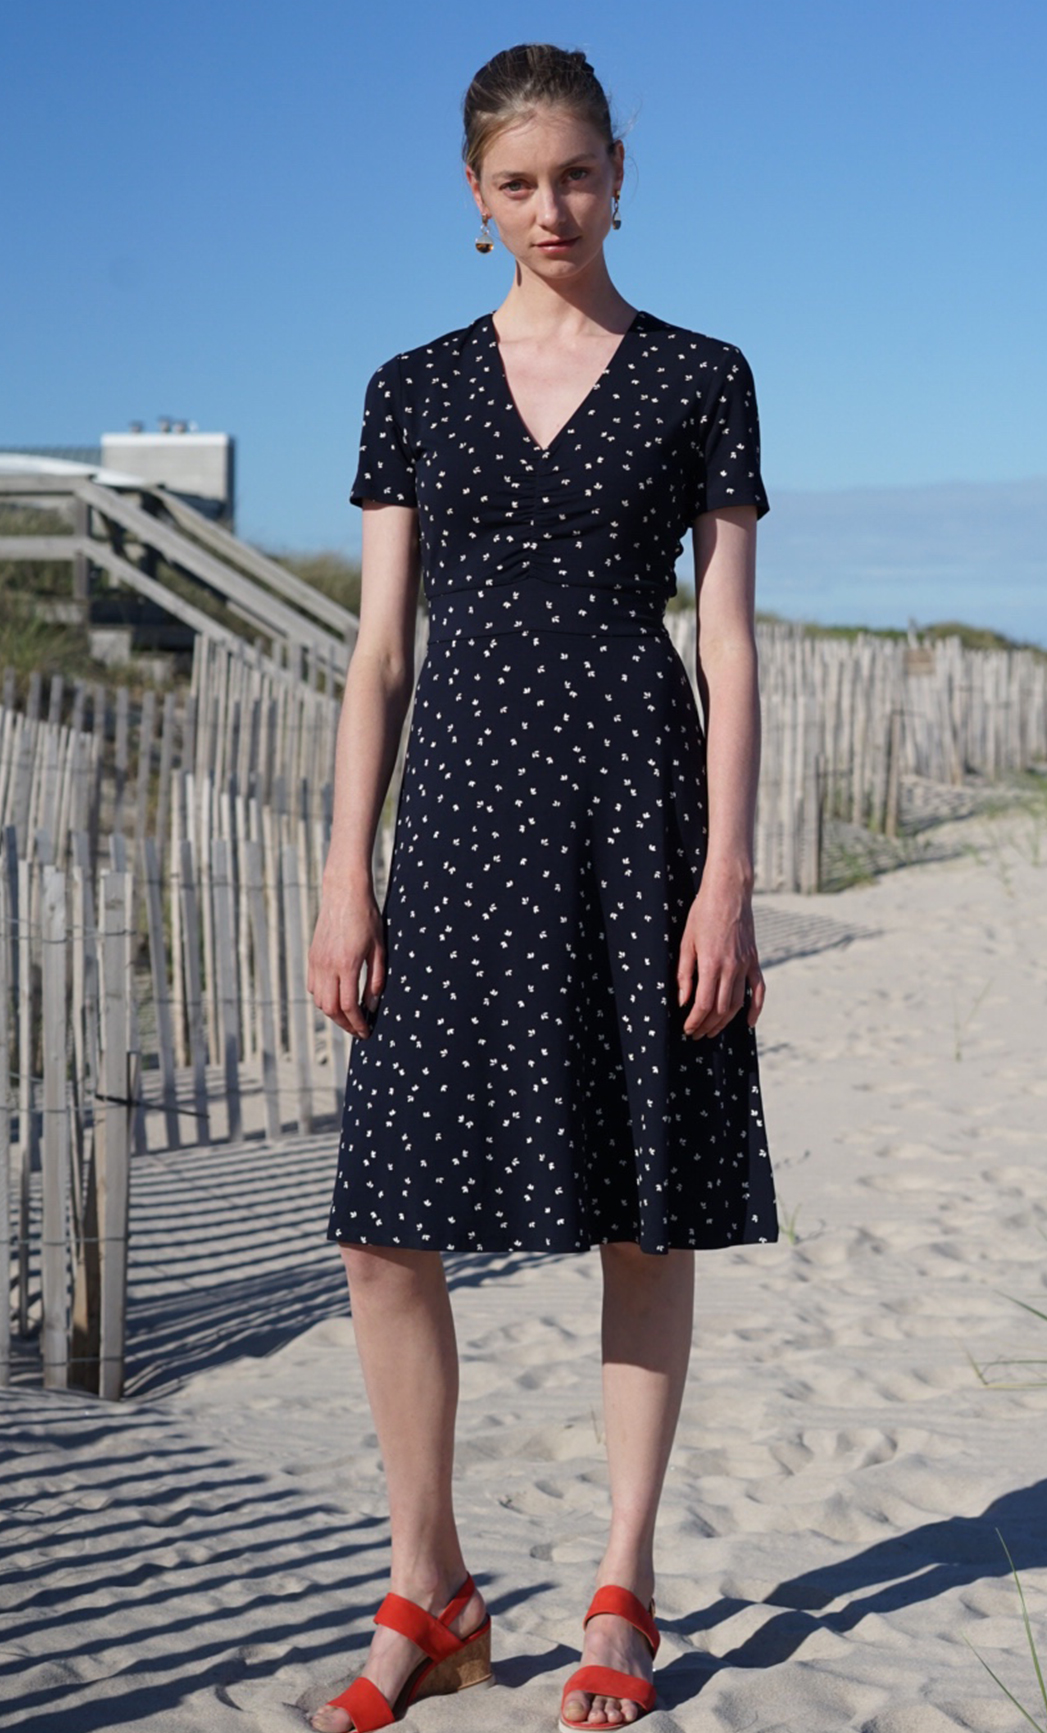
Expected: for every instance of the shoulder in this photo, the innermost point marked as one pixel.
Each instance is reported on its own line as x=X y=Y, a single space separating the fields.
x=438 y=358
x=708 y=357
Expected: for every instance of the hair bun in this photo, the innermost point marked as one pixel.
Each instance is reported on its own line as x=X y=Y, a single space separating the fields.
x=513 y=83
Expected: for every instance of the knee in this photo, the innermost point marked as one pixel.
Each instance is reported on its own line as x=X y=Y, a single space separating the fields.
x=383 y=1269
x=626 y=1257
x=625 y=1264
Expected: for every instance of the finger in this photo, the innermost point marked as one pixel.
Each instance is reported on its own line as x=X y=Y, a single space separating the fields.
x=375 y=977
x=685 y=971
x=703 y=1011
x=724 y=1018
x=731 y=994
x=349 y=998
x=759 y=993
x=720 y=1005
x=328 y=1003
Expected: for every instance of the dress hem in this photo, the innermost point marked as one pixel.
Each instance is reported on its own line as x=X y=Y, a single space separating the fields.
x=408 y=1244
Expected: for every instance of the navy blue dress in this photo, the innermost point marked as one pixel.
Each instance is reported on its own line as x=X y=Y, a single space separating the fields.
x=527 y=1084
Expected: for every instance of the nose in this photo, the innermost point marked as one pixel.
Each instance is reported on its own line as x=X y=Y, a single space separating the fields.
x=551 y=207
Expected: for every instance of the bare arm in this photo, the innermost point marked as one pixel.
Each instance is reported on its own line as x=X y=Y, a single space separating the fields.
x=718 y=950
x=348 y=937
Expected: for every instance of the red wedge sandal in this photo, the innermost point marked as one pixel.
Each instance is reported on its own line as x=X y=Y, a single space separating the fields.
x=604 y=1681
x=452 y=1664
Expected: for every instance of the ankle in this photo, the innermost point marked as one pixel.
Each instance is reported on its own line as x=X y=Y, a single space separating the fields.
x=628 y=1571
x=429 y=1586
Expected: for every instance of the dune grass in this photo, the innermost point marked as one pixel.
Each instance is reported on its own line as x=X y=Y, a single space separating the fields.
x=982 y=1372
x=1027 y=1622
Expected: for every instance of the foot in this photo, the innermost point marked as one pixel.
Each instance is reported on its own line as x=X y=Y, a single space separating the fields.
x=392 y=1659
x=610 y=1642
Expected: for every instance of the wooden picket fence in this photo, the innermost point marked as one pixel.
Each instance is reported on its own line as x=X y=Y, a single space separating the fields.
x=160 y=866
x=160 y=875
x=848 y=722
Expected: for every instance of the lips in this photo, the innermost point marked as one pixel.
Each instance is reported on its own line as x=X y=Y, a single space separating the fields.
x=557 y=246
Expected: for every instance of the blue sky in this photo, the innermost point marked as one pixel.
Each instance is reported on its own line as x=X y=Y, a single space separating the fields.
x=233 y=211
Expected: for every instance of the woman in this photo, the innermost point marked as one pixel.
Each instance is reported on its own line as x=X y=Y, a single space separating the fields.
x=555 y=1043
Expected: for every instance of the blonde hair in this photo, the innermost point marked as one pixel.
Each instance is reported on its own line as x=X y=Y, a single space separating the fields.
x=517 y=81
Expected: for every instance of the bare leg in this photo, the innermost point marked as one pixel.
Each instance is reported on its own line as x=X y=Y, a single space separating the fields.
x=648 y=1315
x=405 y=1337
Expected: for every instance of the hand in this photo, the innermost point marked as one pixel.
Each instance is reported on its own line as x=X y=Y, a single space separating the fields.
x=347 y=942
x=718 y=957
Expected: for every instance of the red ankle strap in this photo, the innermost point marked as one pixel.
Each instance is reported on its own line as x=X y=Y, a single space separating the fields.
x=432 y=1634
x=625 y=1605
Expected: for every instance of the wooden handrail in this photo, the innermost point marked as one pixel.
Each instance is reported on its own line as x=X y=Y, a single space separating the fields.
x=247 y=598
x=267 y=571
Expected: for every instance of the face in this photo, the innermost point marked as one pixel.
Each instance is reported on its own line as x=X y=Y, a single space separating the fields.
x=548 y=183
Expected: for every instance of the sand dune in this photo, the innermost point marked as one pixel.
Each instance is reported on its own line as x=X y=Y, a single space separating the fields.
x=207 y=1557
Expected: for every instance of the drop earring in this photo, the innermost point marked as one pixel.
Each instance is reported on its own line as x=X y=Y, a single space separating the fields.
x=616 y=221
x=484 y=243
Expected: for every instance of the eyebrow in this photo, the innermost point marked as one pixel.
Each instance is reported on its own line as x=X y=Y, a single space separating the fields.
x=569 y=162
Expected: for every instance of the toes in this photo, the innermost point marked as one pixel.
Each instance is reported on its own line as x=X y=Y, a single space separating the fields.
x=584 y=1711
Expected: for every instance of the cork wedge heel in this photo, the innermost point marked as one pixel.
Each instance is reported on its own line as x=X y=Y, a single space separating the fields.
x=452 y=1663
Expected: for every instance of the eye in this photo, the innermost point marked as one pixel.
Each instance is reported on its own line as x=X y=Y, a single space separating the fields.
x=578 y=174
x=513 y=186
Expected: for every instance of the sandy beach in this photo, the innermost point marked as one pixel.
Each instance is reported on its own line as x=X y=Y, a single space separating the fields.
x=206 y=1556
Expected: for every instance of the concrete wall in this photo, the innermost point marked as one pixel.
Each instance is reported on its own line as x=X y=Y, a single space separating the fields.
x=198 y=466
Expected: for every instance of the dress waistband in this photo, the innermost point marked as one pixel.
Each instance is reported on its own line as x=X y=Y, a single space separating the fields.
x=540 y=606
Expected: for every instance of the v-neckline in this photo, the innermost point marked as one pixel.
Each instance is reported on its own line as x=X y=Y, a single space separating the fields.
x=544 y=450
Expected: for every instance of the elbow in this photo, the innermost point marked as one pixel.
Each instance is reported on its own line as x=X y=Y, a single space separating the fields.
x=387 y=668
x=730 y=653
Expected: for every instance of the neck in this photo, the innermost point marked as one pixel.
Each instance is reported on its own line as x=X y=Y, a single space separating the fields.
x=537 y=308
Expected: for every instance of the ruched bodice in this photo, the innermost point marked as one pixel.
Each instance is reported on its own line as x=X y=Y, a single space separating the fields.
x=668 y=430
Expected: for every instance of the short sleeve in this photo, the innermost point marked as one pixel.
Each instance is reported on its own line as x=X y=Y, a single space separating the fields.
x=385 y=471
x=729 y=439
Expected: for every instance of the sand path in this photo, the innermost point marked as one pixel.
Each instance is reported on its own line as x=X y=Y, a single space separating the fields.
x=202 y=1558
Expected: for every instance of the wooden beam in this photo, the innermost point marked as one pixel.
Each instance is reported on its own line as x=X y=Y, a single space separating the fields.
x=250 y=600
x=285 y=583
x=43 y=547
x=181 y=610
x=33 y=482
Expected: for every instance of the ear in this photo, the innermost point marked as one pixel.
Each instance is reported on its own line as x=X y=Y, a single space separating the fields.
x=618 y=161
x=474 y=188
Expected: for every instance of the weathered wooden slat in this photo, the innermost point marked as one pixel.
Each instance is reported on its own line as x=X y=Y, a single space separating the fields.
x=146 y=728
x=161 y=992
x=114 y=1173
x=248 y=1026
x=205 y=860
x=263 y=985
x=43 y=547
x=27 y=1127
x=167 y=749
x=54 y=1271
x=193 y=1005
x=299 y=1004
x=122 y=755
x=228 y=1005
x=177 y=959
x=33 y=482
x=5 y=1145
